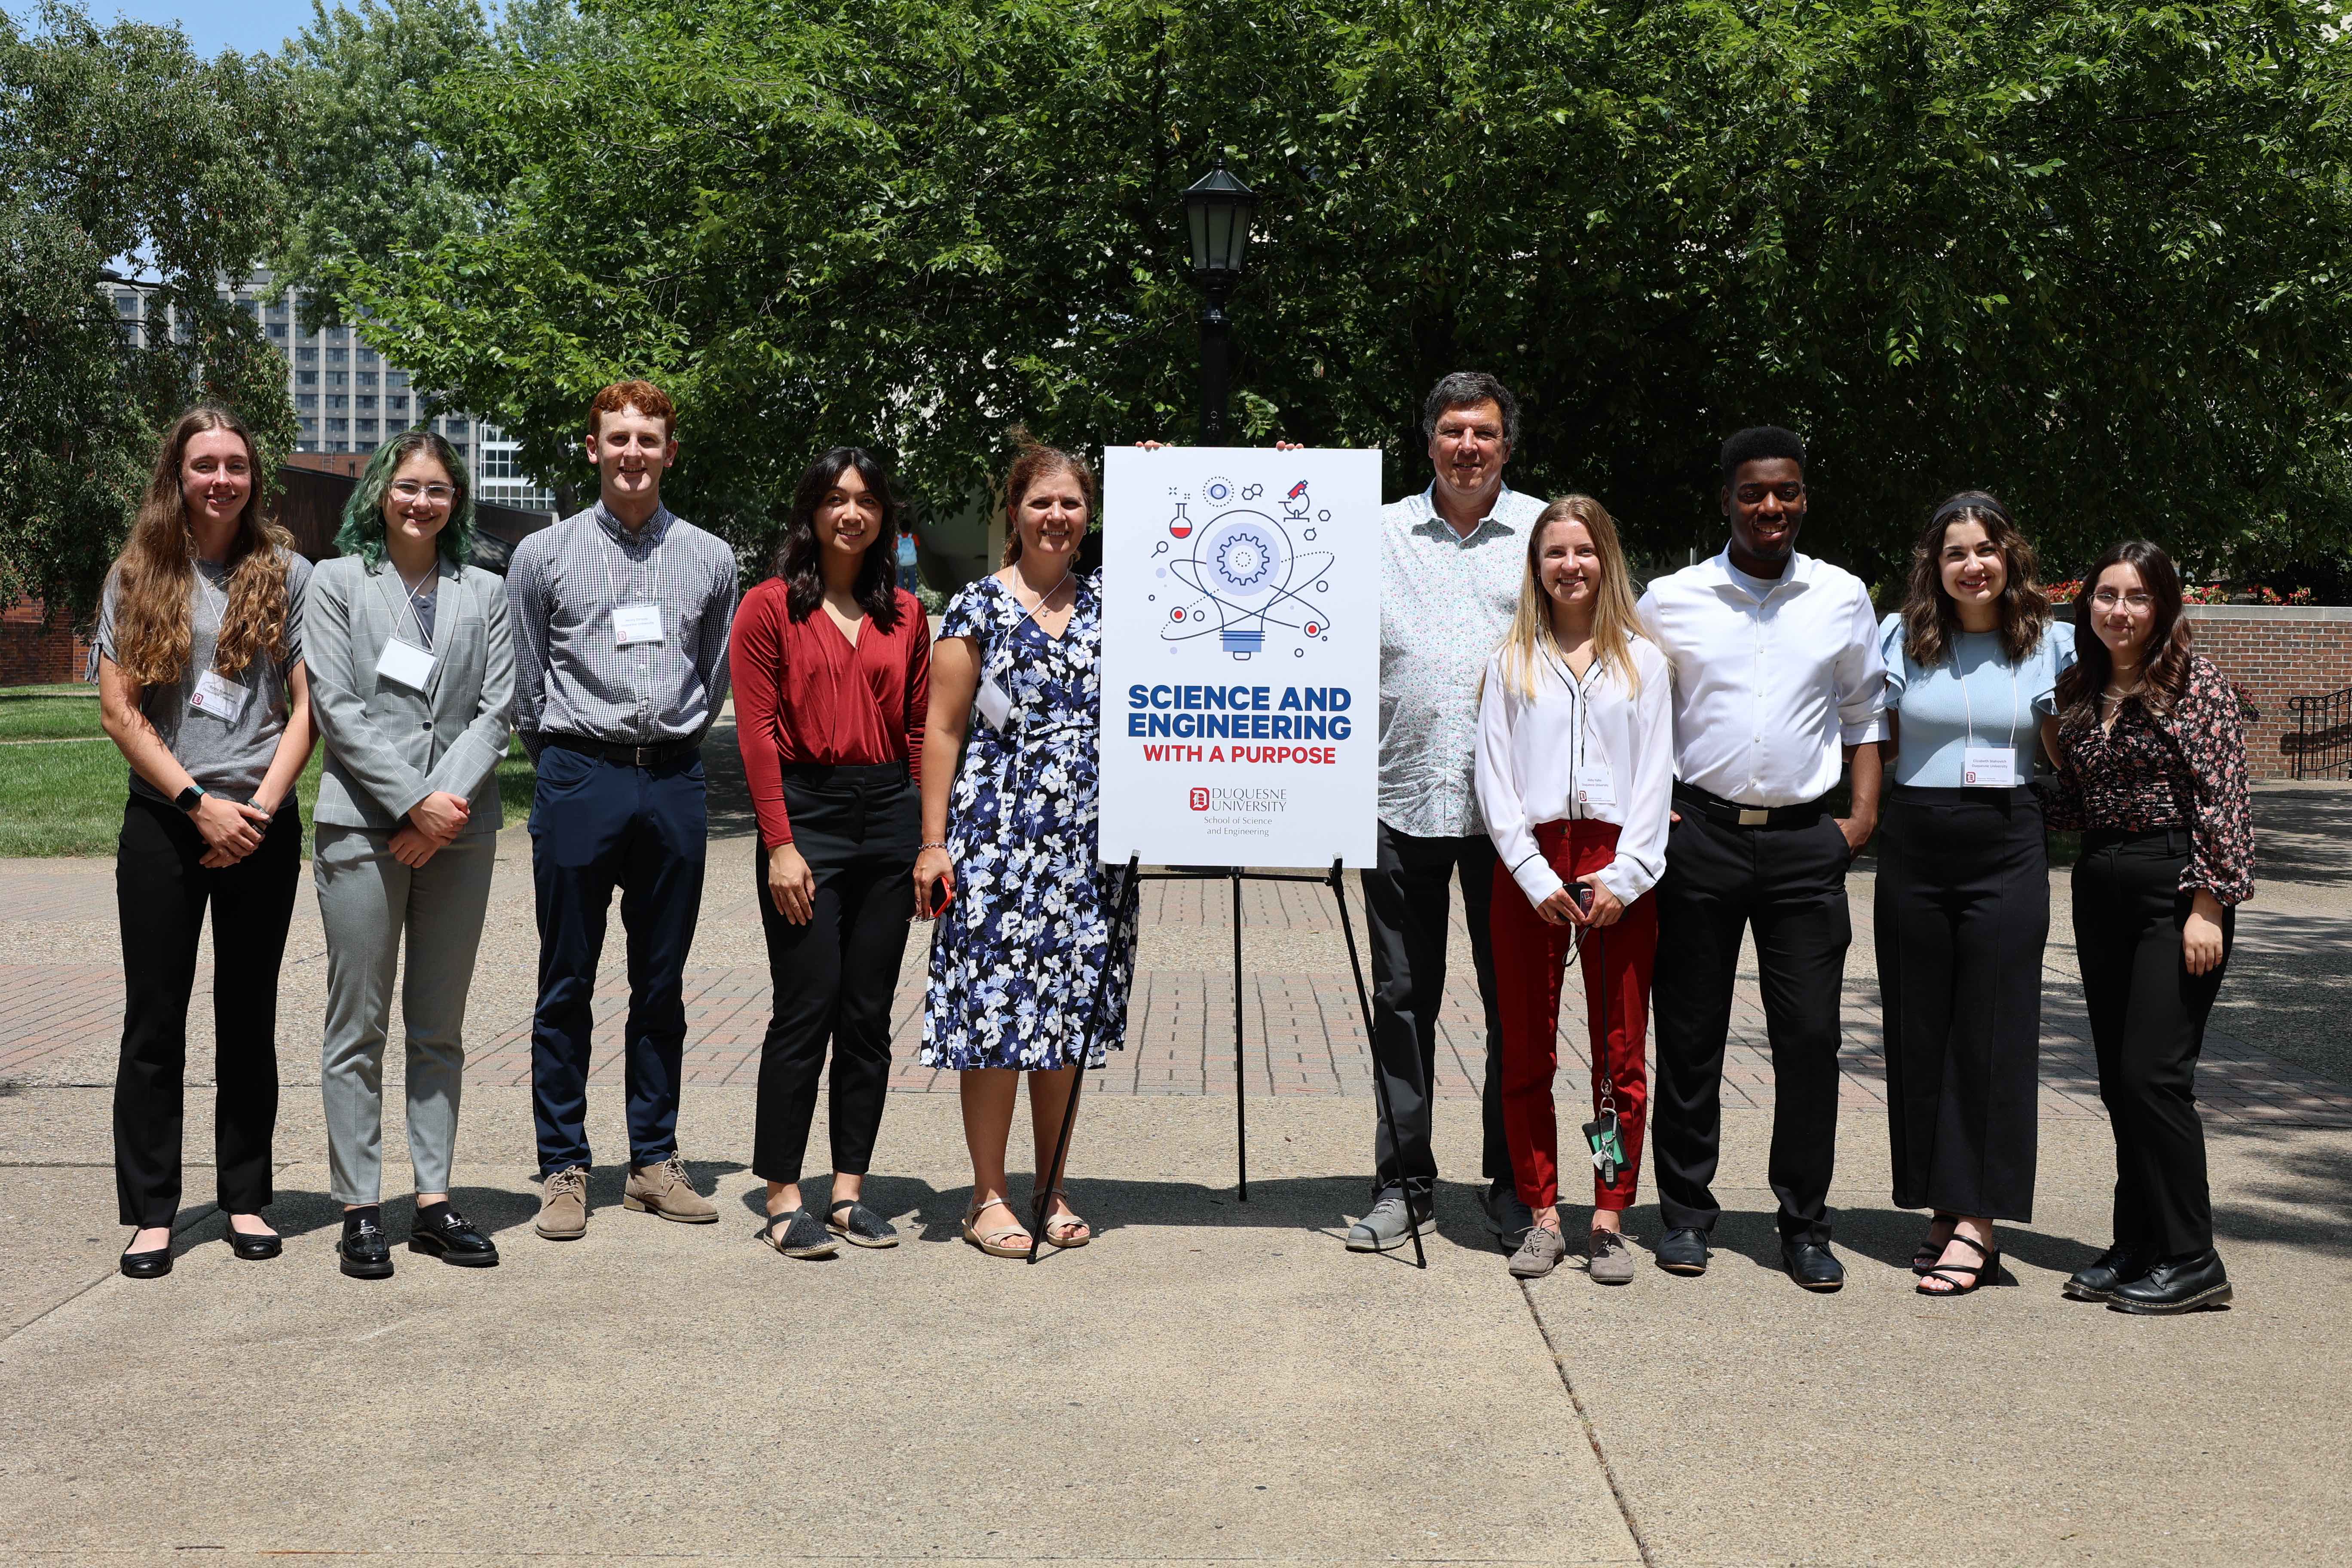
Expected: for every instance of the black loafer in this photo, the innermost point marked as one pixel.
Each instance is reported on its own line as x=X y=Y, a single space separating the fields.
x=2194 y=1283
x=1811 y=1265
x=363 y=1252
x=146 y=1265
x=1682 y=1251
x=254 y=1248
x=442 y=1232
x=2098 y=1281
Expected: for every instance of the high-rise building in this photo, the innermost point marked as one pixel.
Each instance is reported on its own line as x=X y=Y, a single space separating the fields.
x=348 y=398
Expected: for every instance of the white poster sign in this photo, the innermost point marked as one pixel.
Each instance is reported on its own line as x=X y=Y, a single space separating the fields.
x=1240 y=656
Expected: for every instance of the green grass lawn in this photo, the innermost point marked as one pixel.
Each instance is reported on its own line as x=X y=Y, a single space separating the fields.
x=65 y=798
x=47 y=712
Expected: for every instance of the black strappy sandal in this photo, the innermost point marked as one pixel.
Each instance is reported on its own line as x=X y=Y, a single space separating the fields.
x=1978 y=1275
x=863 y=1227
x=802 y=1237
x=1923 y=1257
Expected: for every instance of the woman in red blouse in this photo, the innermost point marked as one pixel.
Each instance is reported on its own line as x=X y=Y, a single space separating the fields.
x=2151 y=759
x=831 y=672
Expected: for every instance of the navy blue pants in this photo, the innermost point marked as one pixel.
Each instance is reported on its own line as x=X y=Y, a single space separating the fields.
x=594 y=826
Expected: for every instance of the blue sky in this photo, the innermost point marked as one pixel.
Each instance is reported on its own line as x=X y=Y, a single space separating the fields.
x=249 y=26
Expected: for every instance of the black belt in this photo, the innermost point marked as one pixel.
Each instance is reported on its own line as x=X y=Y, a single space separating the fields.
x=1941 y=794
x=2176 y=840
x=1731 y=813
x=660 y=754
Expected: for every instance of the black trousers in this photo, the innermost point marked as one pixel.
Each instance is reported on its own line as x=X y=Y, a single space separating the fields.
x=1406 y=894
x=1789 y=884
x=162 y=892
x=833 y=979
x=1962 y=916
x=2148 y=1027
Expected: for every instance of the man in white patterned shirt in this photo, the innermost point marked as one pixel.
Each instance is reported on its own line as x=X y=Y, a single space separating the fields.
x=1450 y=560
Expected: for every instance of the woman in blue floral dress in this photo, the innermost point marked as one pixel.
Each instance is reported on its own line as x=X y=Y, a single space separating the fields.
x=1030 y=968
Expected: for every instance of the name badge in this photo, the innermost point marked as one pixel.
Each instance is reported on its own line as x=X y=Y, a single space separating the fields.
x=404 y=664
x=1595 y=784
x=635 y=624
x=993 y=704
x=219 y=695
x=1987 y=767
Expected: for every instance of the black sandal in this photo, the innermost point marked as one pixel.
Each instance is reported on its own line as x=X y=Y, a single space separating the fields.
x=802 y=1237
x=863 y=1228
x=1923 y=1257
x=1978 y=1275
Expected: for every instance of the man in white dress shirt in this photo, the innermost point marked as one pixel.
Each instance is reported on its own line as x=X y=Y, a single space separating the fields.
x=1451 y=559
x=1778 y=686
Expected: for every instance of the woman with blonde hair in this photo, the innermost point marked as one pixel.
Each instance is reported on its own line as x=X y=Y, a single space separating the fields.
x=198 y=658
x=1575 y=770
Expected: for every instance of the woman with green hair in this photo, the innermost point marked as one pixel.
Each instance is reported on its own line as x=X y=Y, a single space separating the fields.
x=412 y=683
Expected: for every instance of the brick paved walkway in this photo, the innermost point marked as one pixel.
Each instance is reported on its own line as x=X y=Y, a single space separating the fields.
x=60 y=999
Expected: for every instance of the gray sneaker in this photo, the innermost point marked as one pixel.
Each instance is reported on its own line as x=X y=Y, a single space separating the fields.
x=1608 y=1259
x=1539 y=1255
x=1384 y=1227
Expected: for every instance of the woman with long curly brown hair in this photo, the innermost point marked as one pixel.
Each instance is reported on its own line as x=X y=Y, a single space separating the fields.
x=1962 y=903
x=198 y=658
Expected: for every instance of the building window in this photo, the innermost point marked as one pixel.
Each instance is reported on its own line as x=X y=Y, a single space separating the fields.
x=339 y=378
x=309 y=403
x=369 y=357
x=396 y=407
x=338 y=356
x=395 y=380
x=277 y=330
x=337 y=402
x=367 y=380
x=306 y=378
x=307 y=354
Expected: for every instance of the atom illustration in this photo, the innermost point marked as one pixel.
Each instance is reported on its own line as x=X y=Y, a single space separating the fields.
x=1250 y=576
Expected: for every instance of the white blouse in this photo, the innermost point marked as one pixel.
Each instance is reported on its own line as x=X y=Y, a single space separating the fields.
x=1529 y=754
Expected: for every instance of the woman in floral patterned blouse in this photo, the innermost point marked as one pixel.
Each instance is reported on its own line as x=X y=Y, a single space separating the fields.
x=2152 y=767
x=1031 y=967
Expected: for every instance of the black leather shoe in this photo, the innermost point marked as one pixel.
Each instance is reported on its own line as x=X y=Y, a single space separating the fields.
x=442 y=1232
x=147 y=1264
x=2098 y=1281
x=254 y=1248
x=1682 y=1251
x=2190 y=1284
x=363 y=1252
x=1811 y=1265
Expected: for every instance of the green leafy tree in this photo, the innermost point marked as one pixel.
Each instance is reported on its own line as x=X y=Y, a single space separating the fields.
x=2088 y=253
x=127 y=160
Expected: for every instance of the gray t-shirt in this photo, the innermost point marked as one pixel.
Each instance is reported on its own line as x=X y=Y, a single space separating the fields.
x=227 y=757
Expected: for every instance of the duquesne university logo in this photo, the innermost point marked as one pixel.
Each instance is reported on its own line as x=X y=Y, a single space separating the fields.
x=1243 y=800
x=1200 y=800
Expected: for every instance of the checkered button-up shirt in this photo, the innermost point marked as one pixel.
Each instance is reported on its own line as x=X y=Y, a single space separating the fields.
x=1446 y=602
x=572 y=677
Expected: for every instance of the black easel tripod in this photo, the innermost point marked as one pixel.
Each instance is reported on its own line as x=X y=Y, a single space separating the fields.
x=1131 y=874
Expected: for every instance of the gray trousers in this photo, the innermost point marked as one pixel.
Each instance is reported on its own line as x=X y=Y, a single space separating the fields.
x=366 y=899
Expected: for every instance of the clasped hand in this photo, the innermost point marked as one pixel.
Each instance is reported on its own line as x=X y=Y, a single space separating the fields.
x=433 y=822
x=1562 y=910
x=231 y=829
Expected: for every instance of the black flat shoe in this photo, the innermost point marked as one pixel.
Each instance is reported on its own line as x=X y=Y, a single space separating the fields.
x=1682 y=1251
x=861 y=1226
x=2118 y=1265
x=1965 y=1278
x=442 y=1232
x=146 y=1265
x=1812 y=1266
x=363 y=1252
x=254 y=1248
x=2195 y=1283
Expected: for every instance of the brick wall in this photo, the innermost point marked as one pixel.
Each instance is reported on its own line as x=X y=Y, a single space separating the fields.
x=2275 y=654
x=32 y=654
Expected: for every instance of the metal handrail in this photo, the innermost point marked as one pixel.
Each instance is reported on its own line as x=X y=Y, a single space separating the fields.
x=2322 y=742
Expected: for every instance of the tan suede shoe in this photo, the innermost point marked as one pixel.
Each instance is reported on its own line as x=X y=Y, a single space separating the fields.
x=563 y=1205
x=664 y=1190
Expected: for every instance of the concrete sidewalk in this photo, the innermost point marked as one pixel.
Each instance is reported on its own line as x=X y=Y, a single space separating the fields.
x=1209 y=1381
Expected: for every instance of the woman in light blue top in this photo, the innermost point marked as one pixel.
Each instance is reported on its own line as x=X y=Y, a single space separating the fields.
x=1962 y=906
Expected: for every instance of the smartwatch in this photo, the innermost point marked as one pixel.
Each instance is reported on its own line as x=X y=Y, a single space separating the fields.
x=187 y=798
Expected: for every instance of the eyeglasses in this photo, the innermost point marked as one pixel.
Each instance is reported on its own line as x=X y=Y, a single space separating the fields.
x=1752 y=495
x=2107 y=599
x=409 y=489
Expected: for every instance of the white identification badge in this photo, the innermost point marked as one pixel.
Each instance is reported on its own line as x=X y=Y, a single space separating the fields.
x=634 y=624
x=219 y=695
x=404 y=664
x=1595 y=785
x=1987 y=767
x=993 y=704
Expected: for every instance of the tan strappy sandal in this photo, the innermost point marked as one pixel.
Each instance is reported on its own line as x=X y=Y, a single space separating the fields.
x=994 y=1242
x=1058 y=1228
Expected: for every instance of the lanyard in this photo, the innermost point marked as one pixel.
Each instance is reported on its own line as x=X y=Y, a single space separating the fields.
x=604 y=559
x=1968 y=705
x=424 y=637
x=1012 y=639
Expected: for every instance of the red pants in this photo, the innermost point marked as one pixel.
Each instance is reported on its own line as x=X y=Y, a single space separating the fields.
x=1530 y=954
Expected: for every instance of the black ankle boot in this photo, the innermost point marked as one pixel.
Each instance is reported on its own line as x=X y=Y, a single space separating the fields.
x=2097 y=1280
x=2190 y=1283
x=364 y=1253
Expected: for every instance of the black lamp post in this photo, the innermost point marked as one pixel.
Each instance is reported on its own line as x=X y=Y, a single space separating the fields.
x=1217 y=212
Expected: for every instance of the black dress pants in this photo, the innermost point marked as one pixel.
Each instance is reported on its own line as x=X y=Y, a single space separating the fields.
x=1409 y=910
x=1961 y=917
x=833 y=979
x=162 y=892
x=2148 y=1027
x=1789 y=884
